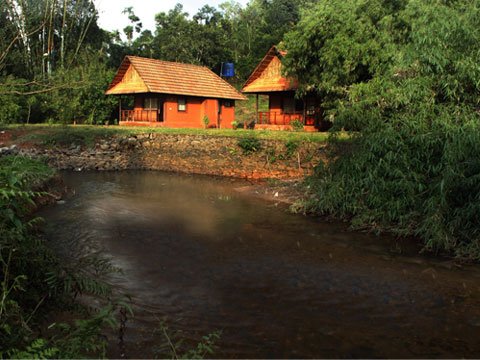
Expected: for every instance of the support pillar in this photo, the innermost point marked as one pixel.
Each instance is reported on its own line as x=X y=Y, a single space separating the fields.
x=304 y=111
x=256 y=109
x=119 y=110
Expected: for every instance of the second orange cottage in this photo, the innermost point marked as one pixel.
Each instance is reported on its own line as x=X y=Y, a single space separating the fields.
x=284 y=107
x=173 y=94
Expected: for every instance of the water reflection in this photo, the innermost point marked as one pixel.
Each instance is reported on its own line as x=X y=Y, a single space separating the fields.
x=278 y=285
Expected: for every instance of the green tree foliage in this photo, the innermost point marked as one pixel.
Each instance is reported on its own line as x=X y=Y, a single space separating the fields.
x=174 y=36
x=52 y=56
x=201 y=40
x=84 y=101
x=211 y=39
x=406 y=75
x=136 y=24
x=254 y=29
x=278 y=17
x=341 y=43
x=12 y=107
x=55 y=60
x=40 y=36
x=230 y=33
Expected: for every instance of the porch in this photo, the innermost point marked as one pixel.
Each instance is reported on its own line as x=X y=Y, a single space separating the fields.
x=139 y=115
x=278 y=118
x=142 y=123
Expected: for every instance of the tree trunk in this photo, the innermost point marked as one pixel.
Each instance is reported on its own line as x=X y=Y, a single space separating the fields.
x=62 y=44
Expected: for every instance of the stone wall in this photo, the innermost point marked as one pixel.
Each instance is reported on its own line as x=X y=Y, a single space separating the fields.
x=188 y=154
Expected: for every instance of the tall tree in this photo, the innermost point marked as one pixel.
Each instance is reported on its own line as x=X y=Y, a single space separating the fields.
x=211 y=39
x=173 y=36
x=136 y=24
x=46 y=47
x=42 y=33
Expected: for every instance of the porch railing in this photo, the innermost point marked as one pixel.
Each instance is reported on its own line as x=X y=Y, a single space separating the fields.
x=140 y=115
x=276 y=118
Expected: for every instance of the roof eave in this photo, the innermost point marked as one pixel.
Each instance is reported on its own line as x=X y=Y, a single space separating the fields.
x=262 y=91
x=113 y=84
x=116 y=92
x=126 y=92
x=250 y=80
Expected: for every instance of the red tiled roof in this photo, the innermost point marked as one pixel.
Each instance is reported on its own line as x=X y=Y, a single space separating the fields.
x=257 y=83
x=167 y=77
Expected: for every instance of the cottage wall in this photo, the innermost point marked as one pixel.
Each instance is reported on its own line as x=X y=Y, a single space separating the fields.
x=196 y=110
x=222 y=120
x=191 y=118
x=210 y=109
x=227 y=116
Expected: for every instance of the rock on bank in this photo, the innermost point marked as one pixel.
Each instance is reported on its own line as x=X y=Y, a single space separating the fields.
x=195 y=154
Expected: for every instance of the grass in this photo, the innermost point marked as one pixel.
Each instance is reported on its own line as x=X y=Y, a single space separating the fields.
x=28 y=173
x=87 y=135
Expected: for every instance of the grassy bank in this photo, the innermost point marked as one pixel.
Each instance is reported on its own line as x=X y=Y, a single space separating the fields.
x=88 y=134
x=35 y=283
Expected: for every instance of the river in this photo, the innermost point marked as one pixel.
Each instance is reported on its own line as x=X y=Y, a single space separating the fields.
x=205 y=257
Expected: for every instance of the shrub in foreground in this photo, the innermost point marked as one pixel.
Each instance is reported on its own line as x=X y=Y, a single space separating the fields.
x=33 y=280
x=415 y=175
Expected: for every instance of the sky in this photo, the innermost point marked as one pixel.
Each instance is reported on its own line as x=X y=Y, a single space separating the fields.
x=111 y=17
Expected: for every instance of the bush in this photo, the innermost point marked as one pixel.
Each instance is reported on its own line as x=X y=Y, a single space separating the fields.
x=12 y=109
x=416 y=175
x=249 y=144
x=291 y=146
x=206 y=121
x=24 y=263
x=33 y=279
x=296 y=125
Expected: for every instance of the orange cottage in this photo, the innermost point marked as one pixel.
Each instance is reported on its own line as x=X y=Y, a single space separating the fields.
x=173 y=94
x=283 y=106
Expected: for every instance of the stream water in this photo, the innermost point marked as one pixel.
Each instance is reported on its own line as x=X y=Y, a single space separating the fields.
x=205 y=257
